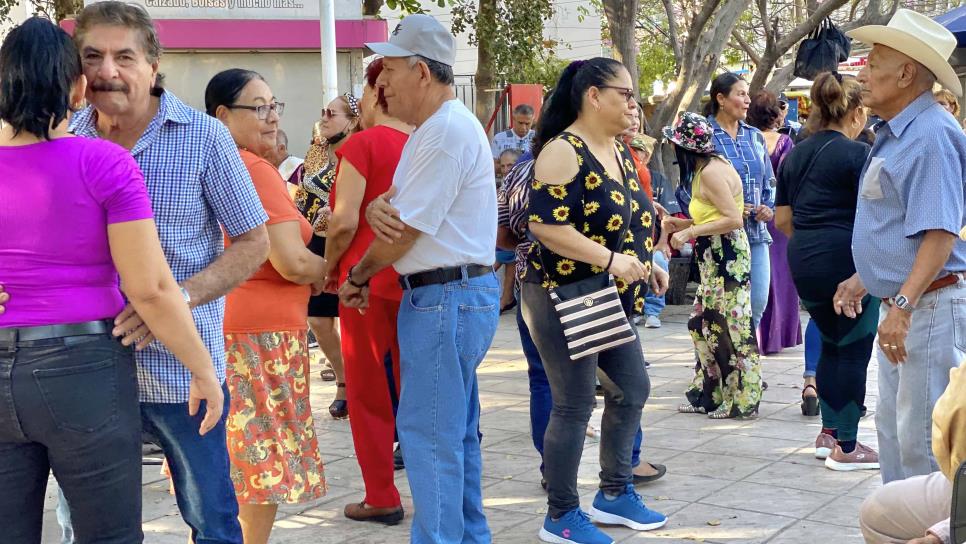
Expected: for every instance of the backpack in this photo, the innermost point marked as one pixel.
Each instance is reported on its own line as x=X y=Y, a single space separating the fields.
x=822 y=51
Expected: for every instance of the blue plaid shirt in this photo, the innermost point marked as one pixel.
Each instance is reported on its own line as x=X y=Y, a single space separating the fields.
x=914 y=181
x=748 y=153
x=197 y=183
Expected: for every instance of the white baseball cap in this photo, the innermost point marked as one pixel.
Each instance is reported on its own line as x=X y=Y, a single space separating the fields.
x=422 y=35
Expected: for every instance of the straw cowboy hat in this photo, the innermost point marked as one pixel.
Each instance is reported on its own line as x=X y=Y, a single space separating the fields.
x=919 y=38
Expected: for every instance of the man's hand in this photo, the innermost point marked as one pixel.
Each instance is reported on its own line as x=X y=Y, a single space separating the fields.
x=848 y=297
x=209 y=390
x=132 y=329
x=892 y=334
x=4 y=297
x=384 y=219
x=660 y=280
x=354 y=297
x=764 y=214
x=928 y=539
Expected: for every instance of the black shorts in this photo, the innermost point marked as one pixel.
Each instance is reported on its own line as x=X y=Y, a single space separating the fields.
x=324 y=305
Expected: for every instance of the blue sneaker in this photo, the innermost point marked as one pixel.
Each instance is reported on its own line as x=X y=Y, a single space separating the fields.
x=628 y=510
x=574 y=527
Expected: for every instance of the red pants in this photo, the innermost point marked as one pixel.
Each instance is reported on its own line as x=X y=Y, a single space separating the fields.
x=366 y=339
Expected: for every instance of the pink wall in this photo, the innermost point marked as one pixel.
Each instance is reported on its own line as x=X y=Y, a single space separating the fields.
x=255 y=34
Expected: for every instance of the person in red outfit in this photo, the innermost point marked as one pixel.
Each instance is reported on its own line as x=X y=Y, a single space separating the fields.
x=367 y=162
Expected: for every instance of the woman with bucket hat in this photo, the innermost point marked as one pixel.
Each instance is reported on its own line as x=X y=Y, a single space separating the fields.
x=727 y=381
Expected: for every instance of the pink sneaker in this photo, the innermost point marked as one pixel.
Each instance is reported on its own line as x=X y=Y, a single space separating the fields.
x=824 y=445
x=861 y=458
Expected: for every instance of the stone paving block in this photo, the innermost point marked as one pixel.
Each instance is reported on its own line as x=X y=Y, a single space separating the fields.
x=750 y=446
x=768 y=499
x=801 y=532
x=716 y=524
x=723 y=467
x=839 y=511
x=811 y=477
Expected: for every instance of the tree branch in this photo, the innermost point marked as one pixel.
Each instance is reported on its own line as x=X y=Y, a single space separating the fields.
x=811 y=23
x=673 y=31
x=746 y=47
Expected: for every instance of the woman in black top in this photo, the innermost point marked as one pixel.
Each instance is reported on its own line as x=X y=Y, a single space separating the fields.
x=589 y=215
x=818 y=186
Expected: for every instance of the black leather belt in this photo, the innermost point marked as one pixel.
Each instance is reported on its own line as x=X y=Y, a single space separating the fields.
x=30 y=334
x=443 y=275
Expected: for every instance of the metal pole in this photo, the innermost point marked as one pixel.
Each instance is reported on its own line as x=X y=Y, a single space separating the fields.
x=330 y=84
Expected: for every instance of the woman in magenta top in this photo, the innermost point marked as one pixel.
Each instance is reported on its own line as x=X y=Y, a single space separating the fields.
x=74 y=214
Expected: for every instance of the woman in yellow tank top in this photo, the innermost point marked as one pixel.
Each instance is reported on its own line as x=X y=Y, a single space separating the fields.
x=727 y=381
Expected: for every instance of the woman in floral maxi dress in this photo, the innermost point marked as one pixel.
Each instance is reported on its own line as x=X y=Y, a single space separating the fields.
x=727 y=381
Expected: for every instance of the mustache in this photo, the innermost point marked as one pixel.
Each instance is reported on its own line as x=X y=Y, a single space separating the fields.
x=107 y=87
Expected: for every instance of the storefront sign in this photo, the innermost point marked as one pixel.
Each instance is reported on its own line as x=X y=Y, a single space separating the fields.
x=246 y=9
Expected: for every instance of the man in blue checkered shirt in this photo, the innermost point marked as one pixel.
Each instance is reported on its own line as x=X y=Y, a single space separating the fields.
x=198 y=185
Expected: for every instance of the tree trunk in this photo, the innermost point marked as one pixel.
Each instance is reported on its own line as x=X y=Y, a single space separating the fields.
x=485 y=62
x=622 y=22
x=706 y=38
x=370 y=8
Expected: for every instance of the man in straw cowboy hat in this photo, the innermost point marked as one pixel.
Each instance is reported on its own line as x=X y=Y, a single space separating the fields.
x=906 y=249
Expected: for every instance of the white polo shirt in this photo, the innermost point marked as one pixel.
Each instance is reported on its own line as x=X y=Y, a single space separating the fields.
x=444 y=189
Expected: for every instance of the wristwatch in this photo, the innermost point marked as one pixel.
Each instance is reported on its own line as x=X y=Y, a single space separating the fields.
x=902 y=302
x=186 y=295
x=348 y=278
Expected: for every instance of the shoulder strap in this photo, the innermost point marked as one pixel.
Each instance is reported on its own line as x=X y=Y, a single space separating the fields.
x=808 y=169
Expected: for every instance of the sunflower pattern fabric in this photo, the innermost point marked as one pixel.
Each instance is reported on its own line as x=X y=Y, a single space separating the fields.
x=594 y=203
x=272 y=443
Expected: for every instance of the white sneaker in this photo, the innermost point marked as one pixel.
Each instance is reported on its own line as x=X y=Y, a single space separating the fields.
x=653 y=322
x=637 y=319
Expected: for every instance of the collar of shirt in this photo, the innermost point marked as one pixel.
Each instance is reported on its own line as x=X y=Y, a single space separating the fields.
x=898 y=124
x=171 y=109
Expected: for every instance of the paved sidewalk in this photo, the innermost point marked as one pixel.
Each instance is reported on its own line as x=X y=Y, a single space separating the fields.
x=728 y=481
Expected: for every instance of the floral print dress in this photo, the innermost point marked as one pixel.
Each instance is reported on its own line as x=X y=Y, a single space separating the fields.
x=727 y=380
x=595 y=204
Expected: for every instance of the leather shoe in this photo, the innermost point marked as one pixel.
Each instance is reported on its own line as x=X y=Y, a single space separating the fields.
x=361 y=512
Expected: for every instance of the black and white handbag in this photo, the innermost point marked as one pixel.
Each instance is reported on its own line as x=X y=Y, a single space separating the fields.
x=590 y=310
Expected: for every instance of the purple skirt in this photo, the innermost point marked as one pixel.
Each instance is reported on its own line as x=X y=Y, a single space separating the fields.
x=780 y=326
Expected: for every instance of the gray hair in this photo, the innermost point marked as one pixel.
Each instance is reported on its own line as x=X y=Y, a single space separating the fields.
x=523 y=109
x=512 y=151
x=442 y=73
x=113 y=13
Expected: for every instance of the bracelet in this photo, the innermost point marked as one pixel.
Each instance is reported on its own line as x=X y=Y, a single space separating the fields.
x=348 y=278
x=609 y=262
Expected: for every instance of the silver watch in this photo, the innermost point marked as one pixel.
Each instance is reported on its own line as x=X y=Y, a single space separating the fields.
x=186 y=295
x=902 y=302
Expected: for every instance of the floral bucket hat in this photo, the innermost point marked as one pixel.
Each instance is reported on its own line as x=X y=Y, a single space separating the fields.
x=692 y=132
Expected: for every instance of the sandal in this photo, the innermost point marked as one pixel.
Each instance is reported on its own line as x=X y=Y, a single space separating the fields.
x=810 y=405
x=327 y=374
x=733 y=413
x=339 y=409
x=691 y=409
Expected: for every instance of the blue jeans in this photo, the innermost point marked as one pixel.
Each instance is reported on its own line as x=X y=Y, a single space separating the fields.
x=541 y=400
x=444 y=333
x=936 y=344
x=813 y=348
x=653 y=304
x=199 y=469
x=760 y=281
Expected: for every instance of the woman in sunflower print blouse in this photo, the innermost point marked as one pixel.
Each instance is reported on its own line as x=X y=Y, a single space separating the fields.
x=727 y=380
x=578 y=209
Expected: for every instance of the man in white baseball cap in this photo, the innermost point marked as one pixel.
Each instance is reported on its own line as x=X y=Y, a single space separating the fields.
x=438 y=233
x=907 y=252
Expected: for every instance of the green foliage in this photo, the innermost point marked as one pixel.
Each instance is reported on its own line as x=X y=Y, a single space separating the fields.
x=544 y=68
x=411 y=6
x=655 y=61
x=514 y=36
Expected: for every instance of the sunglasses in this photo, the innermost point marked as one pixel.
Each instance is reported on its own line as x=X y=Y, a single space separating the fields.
x=262 y=111
x=628 y=93
x=329 y=113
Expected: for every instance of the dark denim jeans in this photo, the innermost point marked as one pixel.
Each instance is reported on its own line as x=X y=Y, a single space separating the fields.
x=541 y=399
x=70 y=405
x=573 y=384
x=199 y=469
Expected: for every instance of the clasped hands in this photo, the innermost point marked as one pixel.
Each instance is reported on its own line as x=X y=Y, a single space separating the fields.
x=384 y=220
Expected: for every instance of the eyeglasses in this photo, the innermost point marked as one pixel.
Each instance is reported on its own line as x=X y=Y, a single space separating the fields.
x=628 y=93
x=262 y=111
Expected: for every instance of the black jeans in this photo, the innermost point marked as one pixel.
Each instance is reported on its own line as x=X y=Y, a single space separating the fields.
x=573 y=385
x=70 y=405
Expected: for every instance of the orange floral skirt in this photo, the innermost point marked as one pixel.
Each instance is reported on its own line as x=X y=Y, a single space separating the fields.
x=272 y=443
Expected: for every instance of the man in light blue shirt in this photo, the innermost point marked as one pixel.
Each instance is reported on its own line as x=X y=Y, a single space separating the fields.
x=519 y=137
x=905 y=244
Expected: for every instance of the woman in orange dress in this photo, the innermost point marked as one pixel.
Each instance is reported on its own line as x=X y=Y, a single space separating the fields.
x=271 y=436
